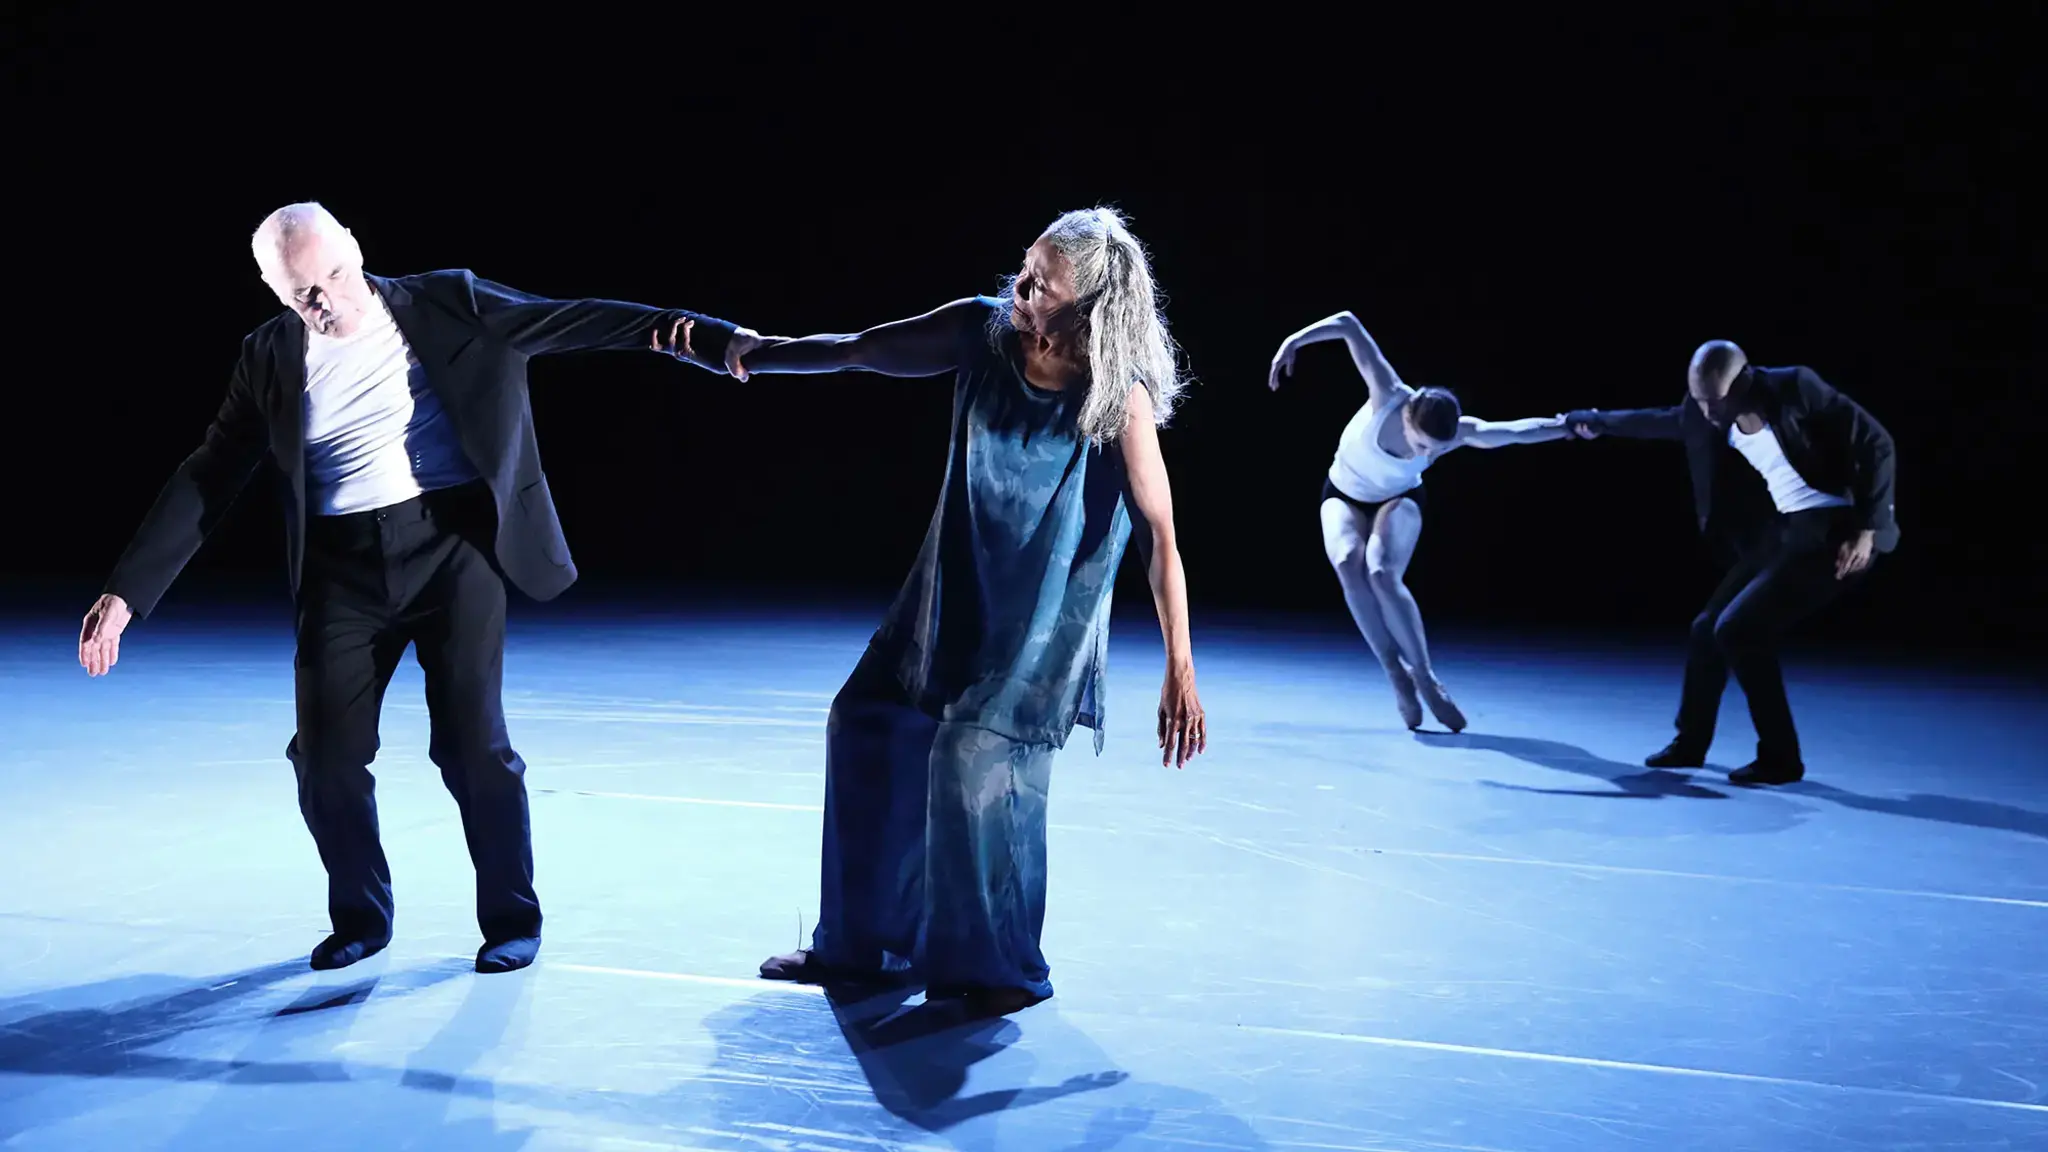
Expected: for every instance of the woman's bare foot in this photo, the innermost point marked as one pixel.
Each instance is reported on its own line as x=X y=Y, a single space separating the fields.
x=1440 y=703
x=986 y=1002
x=1404 y=696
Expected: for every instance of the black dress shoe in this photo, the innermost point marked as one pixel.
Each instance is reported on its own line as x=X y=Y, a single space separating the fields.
x=1676 y=755
x=508 y=955
x=1768 y=772
x=338 y=951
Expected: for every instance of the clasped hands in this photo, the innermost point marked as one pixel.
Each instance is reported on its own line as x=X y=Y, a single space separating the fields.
x=677 y=344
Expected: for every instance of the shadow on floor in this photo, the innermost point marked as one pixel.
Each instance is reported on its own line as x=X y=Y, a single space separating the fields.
x=1927 y=806
x=128 y=1029
x=832 y=1059
x=1625 y=781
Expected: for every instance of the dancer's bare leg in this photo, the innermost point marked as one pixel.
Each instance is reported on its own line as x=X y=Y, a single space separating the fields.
x=1387 y=552
x=1345 y=533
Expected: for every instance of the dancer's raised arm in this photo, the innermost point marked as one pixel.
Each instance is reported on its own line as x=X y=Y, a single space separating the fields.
x=1380 y=377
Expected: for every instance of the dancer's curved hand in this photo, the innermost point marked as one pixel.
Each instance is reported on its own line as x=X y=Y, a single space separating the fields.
x=1183 y=731
x=99 y=640
x=1283 y=363
x=1586 y=431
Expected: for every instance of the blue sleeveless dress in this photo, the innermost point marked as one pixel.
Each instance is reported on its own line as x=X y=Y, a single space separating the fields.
x=940 y=745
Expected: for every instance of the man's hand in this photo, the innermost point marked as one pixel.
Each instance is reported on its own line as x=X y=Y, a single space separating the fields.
x=1855 y=554
x=99 y=641
x=677 y=342
x=1183 y=731
x=1582 y=429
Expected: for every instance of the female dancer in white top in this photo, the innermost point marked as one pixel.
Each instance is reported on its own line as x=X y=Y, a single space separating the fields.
x=1372 y=502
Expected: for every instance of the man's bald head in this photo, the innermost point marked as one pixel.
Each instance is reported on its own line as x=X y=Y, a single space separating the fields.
x=1714 y=379
x=314 y=265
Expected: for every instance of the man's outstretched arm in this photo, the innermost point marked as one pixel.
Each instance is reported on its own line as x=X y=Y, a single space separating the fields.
x=540 y=325
x=1628 y=423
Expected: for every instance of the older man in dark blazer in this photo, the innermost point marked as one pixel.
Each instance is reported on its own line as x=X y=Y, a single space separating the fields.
x=396 y=413
x=1792 y=483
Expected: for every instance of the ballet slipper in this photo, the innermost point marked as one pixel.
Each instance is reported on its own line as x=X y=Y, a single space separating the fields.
x=1404 y=696
x=1440 y=703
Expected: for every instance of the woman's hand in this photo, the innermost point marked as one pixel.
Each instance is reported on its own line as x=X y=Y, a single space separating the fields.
x=1183 y=733
x=1283 y=363
x=744 y=340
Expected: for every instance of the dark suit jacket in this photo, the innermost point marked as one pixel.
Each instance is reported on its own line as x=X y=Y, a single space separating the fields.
x=473 y=339
x=1829 y=439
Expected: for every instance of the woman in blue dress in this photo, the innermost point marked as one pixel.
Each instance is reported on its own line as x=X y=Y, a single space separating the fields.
x=939 y=746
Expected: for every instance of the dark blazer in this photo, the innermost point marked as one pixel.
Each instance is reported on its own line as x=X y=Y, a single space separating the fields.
x=473 y=339
x=1829 y=439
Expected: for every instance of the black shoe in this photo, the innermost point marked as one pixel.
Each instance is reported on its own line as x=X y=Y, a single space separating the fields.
x=508 y=955
x=338 y=951
x=1676 y=755
x=1768 y=772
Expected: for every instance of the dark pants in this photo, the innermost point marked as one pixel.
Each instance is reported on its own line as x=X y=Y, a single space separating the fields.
x=415 y=573
x=1788 y=576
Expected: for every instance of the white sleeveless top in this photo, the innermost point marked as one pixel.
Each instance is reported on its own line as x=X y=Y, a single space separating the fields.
x=1789 y=491
x=1367 y=472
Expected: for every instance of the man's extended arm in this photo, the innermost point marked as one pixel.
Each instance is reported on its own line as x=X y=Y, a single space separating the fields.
x=538 y=325
x=1630 y=423
x=195 y=498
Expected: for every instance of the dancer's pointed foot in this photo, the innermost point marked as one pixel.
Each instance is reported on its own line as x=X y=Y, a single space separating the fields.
x=1440 y=703
x=339 y=951
x=1404 y=696
x=508 y=955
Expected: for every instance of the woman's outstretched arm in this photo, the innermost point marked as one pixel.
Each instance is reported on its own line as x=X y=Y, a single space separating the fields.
x=1476 y=433
x=920 y=346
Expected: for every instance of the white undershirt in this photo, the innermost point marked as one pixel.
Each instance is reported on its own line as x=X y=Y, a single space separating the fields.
x=1361 y=468
x=1789 y=491
x=375 y=432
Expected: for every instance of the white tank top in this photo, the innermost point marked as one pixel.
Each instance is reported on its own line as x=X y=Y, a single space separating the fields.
x=1367 y=472
x=1789 y=491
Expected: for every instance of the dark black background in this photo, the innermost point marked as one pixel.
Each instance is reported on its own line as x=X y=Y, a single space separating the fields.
x=1539 y=212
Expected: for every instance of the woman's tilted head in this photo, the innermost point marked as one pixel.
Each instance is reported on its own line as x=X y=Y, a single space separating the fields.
x=1086 y=287
x=1430 y=420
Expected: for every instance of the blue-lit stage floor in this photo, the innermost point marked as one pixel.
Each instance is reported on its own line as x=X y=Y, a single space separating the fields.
x=1328 y=933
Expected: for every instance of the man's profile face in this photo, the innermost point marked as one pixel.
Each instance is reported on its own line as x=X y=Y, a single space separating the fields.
x=320 y=276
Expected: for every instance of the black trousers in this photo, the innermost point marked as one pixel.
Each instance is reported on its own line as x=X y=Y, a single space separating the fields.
x=1785 y=578
x=416 y=573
